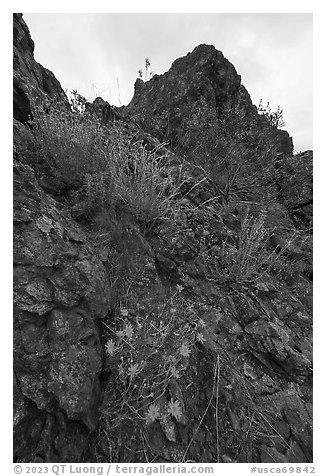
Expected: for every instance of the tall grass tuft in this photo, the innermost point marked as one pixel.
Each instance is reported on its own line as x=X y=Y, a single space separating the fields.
x=104 y=166
x=250 y=258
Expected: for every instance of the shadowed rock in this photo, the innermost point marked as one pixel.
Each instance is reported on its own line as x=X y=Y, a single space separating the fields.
x=60 y=290
x=32 y=82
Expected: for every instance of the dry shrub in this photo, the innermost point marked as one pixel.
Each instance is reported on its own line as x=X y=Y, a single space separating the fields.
x=100 y=166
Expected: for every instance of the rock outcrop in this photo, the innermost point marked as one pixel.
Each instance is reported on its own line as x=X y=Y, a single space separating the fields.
x=163 y=105
x=296 y=190
x=32 y=82
x=60 y=291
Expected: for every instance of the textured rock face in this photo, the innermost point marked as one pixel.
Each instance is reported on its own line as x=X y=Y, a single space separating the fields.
x=259 y=333
x=297 y=188
x=164 y=103
x=32 y=81
x=60 y=290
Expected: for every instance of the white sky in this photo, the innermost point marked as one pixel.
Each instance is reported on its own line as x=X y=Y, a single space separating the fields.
x=99 y=54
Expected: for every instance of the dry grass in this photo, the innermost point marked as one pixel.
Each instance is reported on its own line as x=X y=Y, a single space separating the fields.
x=103 y=167
x=250 y=257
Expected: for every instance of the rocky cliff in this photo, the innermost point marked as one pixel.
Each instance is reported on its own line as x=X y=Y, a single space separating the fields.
x=162 y=311
x=165 y=104
x=60 y=291
x=32 y=82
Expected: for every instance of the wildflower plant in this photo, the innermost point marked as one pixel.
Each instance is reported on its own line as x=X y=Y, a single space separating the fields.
x=144 y=353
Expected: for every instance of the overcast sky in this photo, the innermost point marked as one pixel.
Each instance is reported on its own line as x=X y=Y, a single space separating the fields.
x=100 y=54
